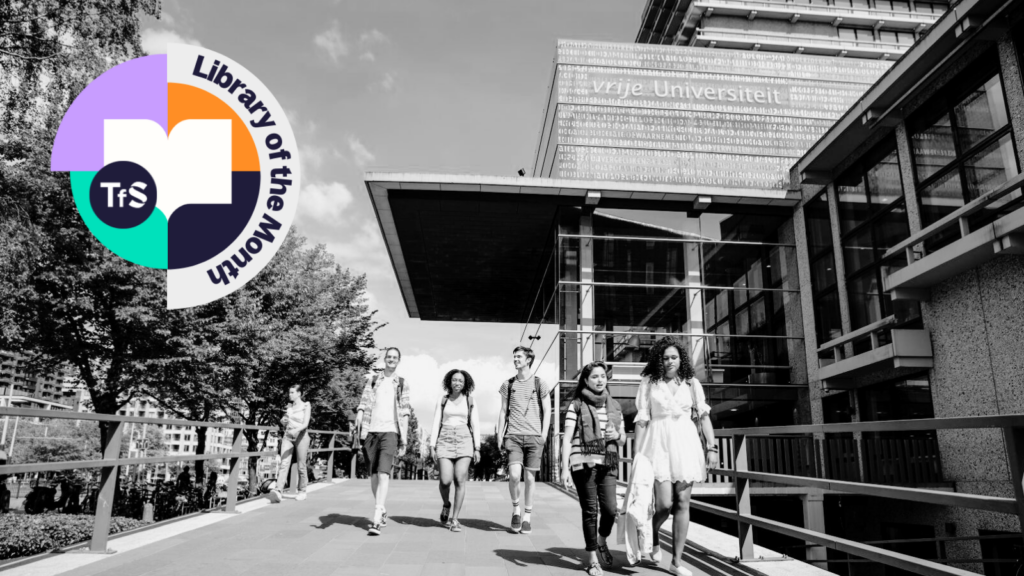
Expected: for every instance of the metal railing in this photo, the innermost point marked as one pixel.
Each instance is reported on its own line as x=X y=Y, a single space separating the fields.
x=958 y=220
x=798 y=8
x=796 y=40
x=872 y=331
x=111 y=461
x=744 y=473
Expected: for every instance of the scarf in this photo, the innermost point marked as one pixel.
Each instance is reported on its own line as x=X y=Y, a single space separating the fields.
x=591 y=439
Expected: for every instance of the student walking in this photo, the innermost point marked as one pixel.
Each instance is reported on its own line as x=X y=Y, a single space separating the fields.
x=594 y=431
x=670 y=406
x=383 y=420
x=522 y=429
x=455 y=441
x=294 y=444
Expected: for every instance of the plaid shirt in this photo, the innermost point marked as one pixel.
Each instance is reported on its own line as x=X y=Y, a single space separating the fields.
x=402 y=406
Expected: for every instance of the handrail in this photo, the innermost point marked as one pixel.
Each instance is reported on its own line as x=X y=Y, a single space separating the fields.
x=790 y=39
x=687 y=334
x=677 y=240
x=676 y=286
x=958 y=423
x=958 y=216
x=110 y=460
x=857 y=334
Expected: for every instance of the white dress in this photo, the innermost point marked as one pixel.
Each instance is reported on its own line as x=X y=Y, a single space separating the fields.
x=671 y=441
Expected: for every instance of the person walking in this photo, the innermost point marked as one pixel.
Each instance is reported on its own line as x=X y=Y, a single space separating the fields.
x=594 y=431
x=454 y=442
x=522 y=429
x=671 y=415
x=294 y=444
x=383 y=420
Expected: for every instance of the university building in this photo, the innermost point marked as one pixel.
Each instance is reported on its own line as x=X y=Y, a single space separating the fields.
x=835 y=238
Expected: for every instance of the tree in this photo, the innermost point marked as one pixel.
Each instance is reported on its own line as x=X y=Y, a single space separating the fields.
x=65 y=300
x=490 y=458
x=412 y=460
x=302 y=320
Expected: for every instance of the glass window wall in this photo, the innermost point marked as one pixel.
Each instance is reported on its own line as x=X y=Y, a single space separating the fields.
x=962 y=145
x=827 y=319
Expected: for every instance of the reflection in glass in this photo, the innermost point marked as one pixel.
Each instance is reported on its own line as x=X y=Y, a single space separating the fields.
x=933 y=147
x=819 y=225
x=990 y=168
x=823 y=273
x=858 y=251
x=940 y=198
x=828 y=321
x=891 y=229
x=853 y=200
x=865 y=299
x=884 y=182
x=981 y=113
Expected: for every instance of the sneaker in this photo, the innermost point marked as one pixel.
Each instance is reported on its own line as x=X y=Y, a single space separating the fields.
x=374 y=530
x=384 y=519
x=517 y=524
x=526 y=529
x=455 y=526
x=300 y=496
x=274 y=496
x=444 y=514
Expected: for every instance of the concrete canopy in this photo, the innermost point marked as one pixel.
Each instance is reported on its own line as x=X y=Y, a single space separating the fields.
x=476 y=248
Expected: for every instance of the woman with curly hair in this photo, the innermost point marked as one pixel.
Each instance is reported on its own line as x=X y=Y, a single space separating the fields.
x=455 y=441
x=670 y=404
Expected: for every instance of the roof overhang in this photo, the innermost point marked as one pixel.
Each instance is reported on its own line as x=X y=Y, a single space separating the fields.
x=475 y=248
x=961 y=29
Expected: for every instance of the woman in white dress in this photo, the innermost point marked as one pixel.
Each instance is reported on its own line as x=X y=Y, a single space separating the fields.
x=294 y=443
x=670 y=404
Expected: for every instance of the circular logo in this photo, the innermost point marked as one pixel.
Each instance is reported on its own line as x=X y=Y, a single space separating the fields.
x=123 y=194
x=183 y=162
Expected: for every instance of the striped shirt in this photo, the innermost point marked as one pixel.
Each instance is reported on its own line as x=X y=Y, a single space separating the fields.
x=577 y=459
x=525 y=414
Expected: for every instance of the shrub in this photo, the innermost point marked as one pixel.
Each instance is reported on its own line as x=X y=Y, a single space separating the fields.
x=29 y=534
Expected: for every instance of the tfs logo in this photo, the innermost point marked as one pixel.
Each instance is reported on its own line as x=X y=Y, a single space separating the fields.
x=108 y=197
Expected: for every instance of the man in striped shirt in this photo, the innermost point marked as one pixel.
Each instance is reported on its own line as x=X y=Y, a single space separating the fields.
x=522 y=429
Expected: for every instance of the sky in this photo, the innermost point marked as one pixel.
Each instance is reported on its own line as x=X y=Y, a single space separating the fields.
x=437 y=86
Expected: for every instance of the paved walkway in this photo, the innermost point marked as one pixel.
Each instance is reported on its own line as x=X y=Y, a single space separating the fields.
x=326 y=534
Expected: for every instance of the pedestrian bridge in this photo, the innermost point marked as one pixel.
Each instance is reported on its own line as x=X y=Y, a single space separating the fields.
x=326 y=534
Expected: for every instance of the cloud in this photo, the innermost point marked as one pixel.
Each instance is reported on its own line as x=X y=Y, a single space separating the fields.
x=155 y=41
x=360 y=155
x=373 y=37
x=324 y=202
x=367 y=56
x=424 y=374
x=331 y=42
x=388 y=83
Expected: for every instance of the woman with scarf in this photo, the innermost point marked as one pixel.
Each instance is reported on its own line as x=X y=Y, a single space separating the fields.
x=594 y=431
x=670 y=406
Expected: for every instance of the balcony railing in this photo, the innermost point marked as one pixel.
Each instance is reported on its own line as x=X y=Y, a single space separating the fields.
x=840 y=46
x=907 y=350
x=973 y=244
x=111 y=460
x=744 y=473
x=892 y=18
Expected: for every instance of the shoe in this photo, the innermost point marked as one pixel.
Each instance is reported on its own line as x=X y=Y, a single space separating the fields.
x=300 y=496
x=517 y=524
x=374 y=530
x=526 y=529
x=274 y=496
x=681 y=570
x=384 y=519
x=656 y=554
x=444 y=514
x=455 y=526
x=594 y=570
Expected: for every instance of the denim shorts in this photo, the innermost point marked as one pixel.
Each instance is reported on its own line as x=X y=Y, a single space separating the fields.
x=525 y=450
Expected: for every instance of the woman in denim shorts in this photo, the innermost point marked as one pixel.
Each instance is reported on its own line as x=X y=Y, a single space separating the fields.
x=455 y=442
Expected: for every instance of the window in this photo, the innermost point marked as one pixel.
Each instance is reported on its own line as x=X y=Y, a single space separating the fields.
x=962 y=145
x=896 y=37
x=873 y=218
x=827 y=320
x=856 y=34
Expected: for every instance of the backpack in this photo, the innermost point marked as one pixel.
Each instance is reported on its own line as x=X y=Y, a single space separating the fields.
x=469 y=415
x=508 y=403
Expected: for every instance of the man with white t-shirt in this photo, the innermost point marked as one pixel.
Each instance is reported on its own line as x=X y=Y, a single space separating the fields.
x=383 y=420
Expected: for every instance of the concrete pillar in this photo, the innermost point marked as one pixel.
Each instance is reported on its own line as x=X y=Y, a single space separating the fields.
x=905 y=154
x=837 y=250
x=695 y=310
x=589 y=347
x=1013 y=88
x=814 y=519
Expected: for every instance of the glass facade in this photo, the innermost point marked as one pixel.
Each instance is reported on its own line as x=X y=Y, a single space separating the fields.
x=962 y=146
x=873 y=218
x=828 y=323
x=724 y=285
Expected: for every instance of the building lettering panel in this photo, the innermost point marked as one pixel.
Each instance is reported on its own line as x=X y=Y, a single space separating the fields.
x=691 y=116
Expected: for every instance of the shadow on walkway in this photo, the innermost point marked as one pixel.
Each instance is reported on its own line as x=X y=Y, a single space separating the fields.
x=566 y=558
x=332 y=519
x=484 y=525
x=421 y=522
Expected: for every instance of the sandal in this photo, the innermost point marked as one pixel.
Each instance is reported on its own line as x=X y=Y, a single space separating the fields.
x=605 y=555
x=594 y=570
x=444 y=514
